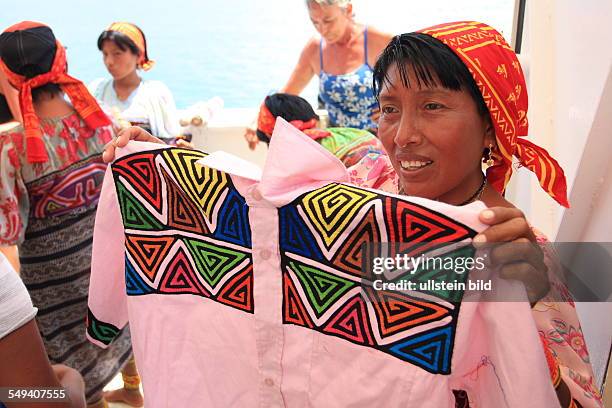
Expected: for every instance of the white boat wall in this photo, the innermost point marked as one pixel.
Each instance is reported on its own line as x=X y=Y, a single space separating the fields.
x=566 y=48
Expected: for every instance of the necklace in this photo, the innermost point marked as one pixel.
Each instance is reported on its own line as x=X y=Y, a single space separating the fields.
x=473 y=197
x=478 y=193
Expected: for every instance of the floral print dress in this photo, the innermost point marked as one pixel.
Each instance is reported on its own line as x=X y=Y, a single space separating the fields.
x=48 y=210
x=555 y=314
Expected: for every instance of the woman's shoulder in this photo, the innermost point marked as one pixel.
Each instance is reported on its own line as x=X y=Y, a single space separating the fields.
x=155 y=86
x=96 y=86
x=311 y=49
x=10 y=127
x=378 y=39
x=10 y=133
x=377 y=34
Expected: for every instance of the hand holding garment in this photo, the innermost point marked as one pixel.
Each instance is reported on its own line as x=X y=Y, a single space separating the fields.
x=246 y=292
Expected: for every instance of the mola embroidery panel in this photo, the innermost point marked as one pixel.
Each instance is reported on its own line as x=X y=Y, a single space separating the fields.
x=186 y=228
x=324 y=287
x=187 y=232
x=260 y=287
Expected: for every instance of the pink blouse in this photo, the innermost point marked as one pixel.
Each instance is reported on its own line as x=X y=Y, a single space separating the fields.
x=246 y=291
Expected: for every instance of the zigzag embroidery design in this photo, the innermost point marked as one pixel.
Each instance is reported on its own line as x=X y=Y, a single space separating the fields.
x=186 y=228
x=62 y=192
x=325 y=287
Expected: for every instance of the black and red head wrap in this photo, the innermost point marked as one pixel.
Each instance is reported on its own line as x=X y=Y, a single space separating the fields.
x=30 y=57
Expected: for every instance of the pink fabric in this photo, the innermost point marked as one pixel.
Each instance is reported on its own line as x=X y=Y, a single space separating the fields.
x=195 y=352
x=555 y=315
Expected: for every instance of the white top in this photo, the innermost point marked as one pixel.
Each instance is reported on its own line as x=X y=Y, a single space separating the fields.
x=15 y=304
x=151 y=105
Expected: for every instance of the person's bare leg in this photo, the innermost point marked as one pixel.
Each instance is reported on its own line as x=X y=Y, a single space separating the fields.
x=130 y=393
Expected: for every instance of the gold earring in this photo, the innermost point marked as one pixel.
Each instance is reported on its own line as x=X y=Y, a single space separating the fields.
x=490 y=162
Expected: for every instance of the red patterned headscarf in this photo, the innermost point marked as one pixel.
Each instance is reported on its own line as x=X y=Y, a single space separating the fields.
x=21 y=35
x=266 y=121
x=137 y=36
x=499 y=77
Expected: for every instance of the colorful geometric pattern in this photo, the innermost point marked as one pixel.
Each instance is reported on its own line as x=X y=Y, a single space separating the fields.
x=186 y=228
x=77 y=186
x=105 y=333
x=321 y=234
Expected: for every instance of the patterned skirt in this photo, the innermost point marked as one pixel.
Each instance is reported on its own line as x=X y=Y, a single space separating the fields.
x=55 y=267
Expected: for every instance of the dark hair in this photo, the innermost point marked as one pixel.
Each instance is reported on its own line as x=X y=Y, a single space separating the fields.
x=432 y=62
x=48 y=89
x=5 y=112
x=121 y=40
x=289 y=107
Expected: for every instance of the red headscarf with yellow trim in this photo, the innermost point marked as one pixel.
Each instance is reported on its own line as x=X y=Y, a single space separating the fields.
x=137 y=36
x=499 y=77
x=22 y=35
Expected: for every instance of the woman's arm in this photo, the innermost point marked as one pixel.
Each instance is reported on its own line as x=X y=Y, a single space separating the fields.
x=304 y=70
x=377 y=41
x=11 y=253
x=25 y=364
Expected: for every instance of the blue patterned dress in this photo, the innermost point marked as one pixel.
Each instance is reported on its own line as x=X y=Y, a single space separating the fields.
x=349 y=98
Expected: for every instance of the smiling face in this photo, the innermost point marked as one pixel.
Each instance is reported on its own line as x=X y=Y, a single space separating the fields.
x=119 y=63
x=434 y=137
x=332 y=22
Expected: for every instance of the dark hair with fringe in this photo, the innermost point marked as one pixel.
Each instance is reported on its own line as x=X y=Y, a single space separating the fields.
x=433 y=64
x=289 y=107
x=121 y=40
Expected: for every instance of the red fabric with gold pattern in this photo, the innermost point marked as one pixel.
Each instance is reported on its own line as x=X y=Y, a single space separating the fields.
x=137 y=36
x=81 y=99
x=266 y=121
x=498 y=74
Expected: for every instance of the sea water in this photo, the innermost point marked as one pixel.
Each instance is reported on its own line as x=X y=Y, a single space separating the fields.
x=240 y=50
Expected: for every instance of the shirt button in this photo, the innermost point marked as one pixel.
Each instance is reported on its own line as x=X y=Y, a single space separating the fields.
x=256 y=195
x=269 y=382
x=265 y=254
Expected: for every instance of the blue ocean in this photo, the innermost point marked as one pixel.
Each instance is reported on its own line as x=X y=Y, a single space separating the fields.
x=240 y=50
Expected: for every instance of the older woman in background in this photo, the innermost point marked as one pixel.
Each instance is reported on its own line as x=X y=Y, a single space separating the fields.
x=341 y=57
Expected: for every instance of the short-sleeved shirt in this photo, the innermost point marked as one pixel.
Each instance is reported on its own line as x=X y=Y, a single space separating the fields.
x=68 y=183
x=15 y=305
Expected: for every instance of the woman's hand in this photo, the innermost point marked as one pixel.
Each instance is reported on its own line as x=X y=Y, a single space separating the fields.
x=515 y=250
x=72 y=382
x=122 y=139
x=250 y=134
x=181 y=141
